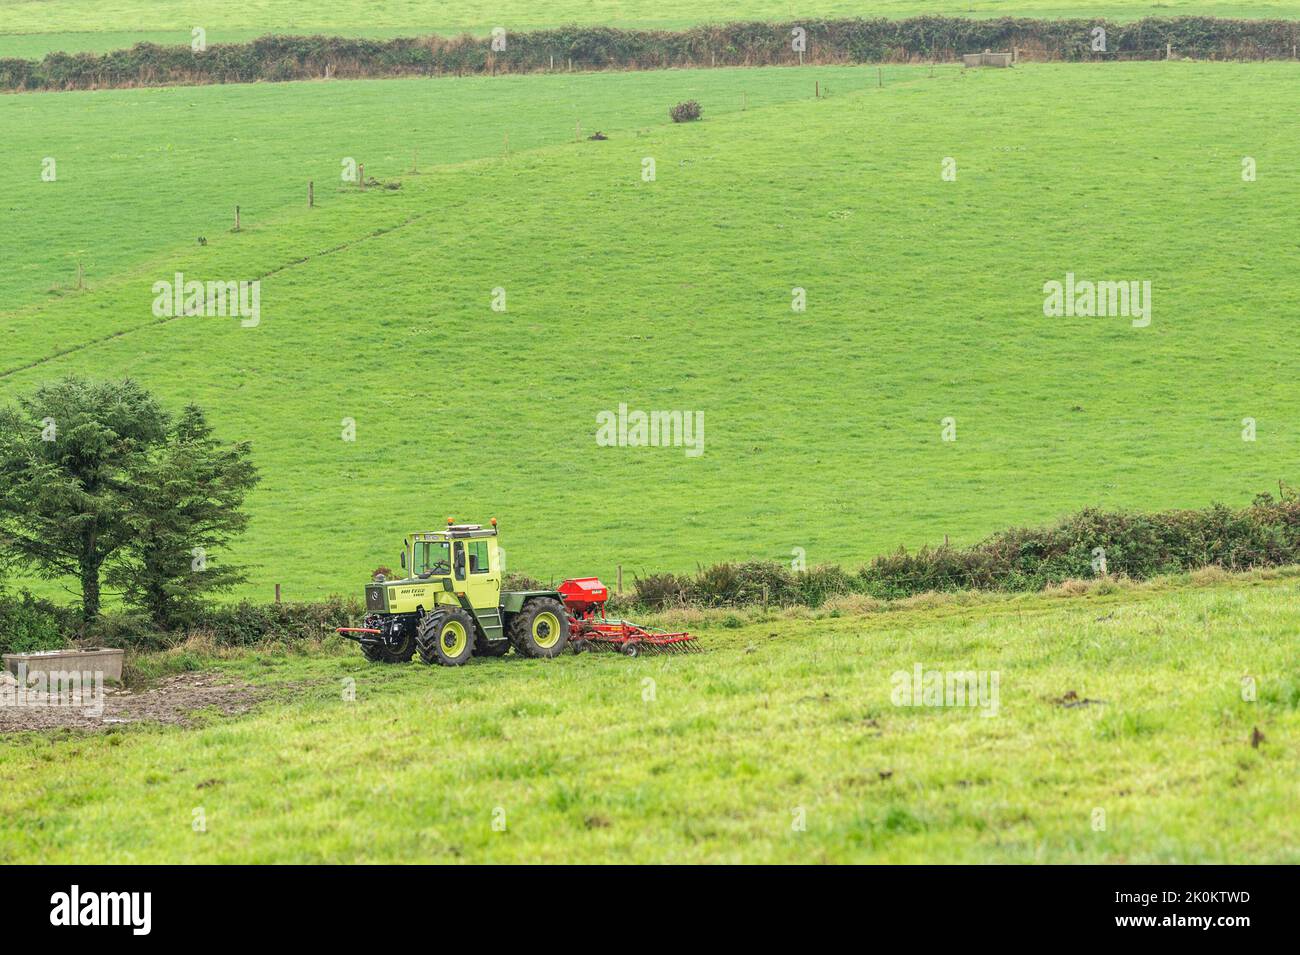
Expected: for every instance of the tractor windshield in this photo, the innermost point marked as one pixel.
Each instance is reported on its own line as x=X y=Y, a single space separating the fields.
x=432 y=557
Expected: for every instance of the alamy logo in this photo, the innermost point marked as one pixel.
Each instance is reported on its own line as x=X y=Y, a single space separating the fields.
x=922 y=687
x=103 y=908
x=76 y=689
x=221 y=299
x=1098 y=299
x=655 y=429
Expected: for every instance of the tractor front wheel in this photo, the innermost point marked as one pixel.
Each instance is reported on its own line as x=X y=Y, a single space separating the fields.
x=540 y=629
x=446 y=637
x=399 y=650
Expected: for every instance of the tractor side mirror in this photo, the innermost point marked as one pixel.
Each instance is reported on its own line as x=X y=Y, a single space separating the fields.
x=403 y=560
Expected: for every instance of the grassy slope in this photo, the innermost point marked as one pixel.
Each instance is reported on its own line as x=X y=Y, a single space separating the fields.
x=779 y=714
x=822 y=429
x=31 y=28
x=141 y=172
x=924 y=302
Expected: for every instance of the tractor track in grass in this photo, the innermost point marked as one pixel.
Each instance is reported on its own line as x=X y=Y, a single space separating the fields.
x=166 y=320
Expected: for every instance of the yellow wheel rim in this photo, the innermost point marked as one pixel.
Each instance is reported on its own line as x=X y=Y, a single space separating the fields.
x=453 y=638
x=546 y=630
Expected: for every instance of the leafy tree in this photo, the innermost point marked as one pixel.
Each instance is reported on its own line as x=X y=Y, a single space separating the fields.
x=185 y=504
x=67 y=456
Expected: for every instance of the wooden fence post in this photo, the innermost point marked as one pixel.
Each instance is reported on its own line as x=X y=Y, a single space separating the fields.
x=1169 y=51
x=361 y=175
x=277 y=593
x=620 y=580
x=236 y=218
x=311 y=193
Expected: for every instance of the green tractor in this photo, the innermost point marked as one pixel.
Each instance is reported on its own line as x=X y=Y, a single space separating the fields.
x=449 y=606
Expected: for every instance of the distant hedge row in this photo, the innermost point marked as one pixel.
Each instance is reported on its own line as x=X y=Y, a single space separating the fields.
x=276 y=58
x=1134 y=545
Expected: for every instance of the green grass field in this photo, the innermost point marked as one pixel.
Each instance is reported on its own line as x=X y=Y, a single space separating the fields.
x=719 y=756
x=822 y=428
x=382 y=391
x=32 y=28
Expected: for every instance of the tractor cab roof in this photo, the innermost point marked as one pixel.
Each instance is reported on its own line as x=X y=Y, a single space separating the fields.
x=456 y=532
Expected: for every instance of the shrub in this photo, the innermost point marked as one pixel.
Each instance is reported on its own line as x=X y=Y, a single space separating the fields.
x=245 y=624
x=818 y=585
x=520 y=582
x=660 y=591
x=126 y=630
x=28 y=624
x=685 y=112
x=734 y=585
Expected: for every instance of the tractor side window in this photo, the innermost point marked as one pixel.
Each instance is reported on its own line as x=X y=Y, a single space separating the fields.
x=478 y=557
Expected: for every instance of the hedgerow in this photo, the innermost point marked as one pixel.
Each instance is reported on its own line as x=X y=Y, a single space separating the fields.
x=1090 y=543
x=280 y=58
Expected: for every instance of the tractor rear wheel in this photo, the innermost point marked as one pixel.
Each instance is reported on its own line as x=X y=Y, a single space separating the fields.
x=540 y=629
x=446 y=637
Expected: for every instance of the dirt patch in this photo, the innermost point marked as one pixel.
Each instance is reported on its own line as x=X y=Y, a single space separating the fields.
x=173 y=700
x=1071 y=699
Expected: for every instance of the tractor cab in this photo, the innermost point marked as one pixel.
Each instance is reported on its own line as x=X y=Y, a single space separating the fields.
x=462 y=560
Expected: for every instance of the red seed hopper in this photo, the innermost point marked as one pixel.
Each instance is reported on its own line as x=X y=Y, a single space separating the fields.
x=590 y=629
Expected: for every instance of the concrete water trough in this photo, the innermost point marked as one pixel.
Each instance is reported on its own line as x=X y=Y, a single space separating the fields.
x=90 y=660
x=986 y=59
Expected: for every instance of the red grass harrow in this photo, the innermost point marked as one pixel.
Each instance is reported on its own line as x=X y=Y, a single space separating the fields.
x=589 y=628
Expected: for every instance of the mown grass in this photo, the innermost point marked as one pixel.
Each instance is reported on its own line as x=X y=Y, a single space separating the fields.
x=31 y=28
x=822 y=429
x=714 y=757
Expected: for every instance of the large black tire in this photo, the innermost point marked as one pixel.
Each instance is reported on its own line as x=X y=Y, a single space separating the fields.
x=446 y=637
x=541 y=629
x=400 y=652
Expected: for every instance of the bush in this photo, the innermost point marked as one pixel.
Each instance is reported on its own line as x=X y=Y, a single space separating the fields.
x=126 y=630
x=520 y=582
x=685 y=112
x=736 y=585
x=659 y=591
x=245 y=624
x=818 y=585
x=28 y=624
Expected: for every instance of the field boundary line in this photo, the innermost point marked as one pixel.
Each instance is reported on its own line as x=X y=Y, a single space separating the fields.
x=157 y=322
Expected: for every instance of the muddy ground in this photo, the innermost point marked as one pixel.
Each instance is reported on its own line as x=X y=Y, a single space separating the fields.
x=173 y=700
